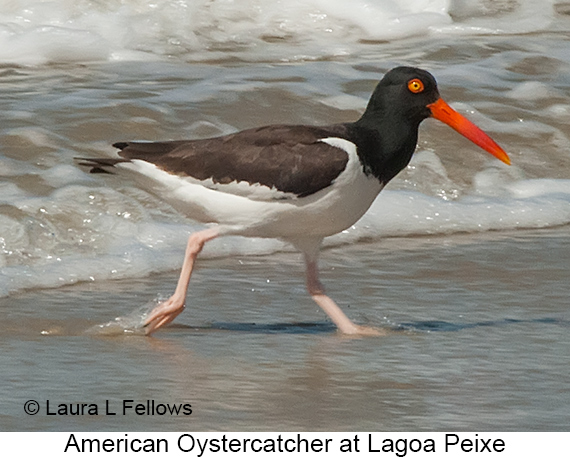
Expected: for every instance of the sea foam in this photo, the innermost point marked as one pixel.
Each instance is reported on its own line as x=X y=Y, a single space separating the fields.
x=36 y=32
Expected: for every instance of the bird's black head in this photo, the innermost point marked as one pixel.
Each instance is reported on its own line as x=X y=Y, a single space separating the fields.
x=403 y=96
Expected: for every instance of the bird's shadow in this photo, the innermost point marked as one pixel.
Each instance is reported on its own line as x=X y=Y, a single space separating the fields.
x=268 y=328
x=444 y=326
x=300 y=328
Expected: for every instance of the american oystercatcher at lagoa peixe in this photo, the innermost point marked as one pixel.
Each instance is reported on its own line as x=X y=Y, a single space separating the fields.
x=298 y=183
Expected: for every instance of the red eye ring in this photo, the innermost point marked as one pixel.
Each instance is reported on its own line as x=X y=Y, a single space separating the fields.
x=415 y=86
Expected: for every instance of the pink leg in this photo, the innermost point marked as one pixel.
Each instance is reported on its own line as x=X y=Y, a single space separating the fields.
x=317 y=291
x=167 y=311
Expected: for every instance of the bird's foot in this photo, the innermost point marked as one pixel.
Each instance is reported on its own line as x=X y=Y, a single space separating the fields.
x=164 y=313
x=364 y=330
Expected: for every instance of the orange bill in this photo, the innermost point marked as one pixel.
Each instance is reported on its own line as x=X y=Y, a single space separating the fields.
x=446 y=114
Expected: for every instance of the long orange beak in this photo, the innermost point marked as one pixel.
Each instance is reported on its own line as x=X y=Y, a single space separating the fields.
x=446 y=114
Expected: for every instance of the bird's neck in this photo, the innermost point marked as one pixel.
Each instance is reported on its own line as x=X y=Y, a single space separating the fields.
x=387 y=146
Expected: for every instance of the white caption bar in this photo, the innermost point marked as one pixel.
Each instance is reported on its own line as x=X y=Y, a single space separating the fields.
x=202 y=444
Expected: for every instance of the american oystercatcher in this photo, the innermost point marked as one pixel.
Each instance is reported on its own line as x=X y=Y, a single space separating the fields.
x=298 y=183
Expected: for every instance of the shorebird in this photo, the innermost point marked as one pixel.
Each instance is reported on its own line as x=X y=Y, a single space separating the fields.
x=298 y=183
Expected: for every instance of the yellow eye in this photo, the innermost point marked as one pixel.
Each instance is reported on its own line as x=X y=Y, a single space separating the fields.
x=415 y=86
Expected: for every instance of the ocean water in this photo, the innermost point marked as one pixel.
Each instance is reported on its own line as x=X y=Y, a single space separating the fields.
x=462 y=259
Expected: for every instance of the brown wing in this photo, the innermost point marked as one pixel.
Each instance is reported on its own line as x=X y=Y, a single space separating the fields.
x=290 y=159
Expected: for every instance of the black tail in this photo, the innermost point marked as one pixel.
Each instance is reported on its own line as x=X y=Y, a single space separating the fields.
x=99 y=165
x=129 y=150
x=120 y=145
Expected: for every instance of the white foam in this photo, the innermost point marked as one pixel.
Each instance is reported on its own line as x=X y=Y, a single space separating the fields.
x=532 y=90
x=499 y=17
x=35 y=32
